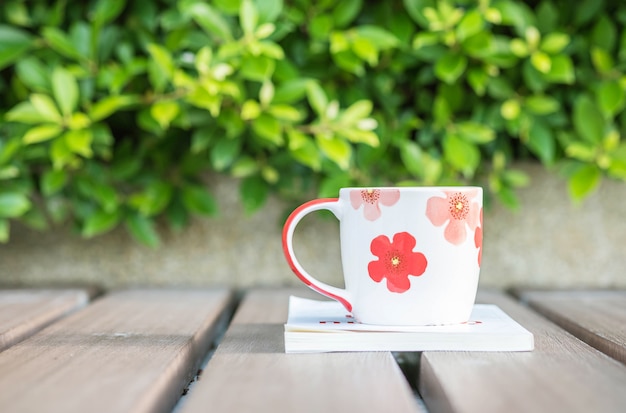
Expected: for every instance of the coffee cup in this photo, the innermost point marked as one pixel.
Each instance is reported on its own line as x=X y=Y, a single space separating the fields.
x=410 y=255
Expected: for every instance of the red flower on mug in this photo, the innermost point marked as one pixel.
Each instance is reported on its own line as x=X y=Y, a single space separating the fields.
x=371 y=198
x=458 y=210
x=396 y=261
x=478 y=238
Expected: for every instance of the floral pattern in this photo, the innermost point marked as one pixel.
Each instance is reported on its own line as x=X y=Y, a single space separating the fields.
x=396 y=261
x=478 y=238
x=457 y=211
x=372 y=199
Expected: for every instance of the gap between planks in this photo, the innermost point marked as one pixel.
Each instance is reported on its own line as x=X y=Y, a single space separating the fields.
x=23 y=312
x=251 y=372
x=131 y=350
x=561 y=374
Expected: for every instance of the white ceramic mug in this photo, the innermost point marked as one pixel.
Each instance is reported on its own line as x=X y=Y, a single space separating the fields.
x=410 y=255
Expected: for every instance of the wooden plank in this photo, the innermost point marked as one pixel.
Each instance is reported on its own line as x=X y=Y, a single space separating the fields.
x=132 y=351
x=251 y=372
x=596 y=317
x=23 y=312
x=562 y=374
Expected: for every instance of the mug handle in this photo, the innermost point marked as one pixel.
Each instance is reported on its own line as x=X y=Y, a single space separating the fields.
x=332 y=205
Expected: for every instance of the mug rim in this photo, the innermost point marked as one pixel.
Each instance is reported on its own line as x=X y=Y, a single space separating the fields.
x=415 y=188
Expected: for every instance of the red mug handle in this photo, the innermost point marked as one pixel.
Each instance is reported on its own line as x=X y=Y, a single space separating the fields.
x=333 y=205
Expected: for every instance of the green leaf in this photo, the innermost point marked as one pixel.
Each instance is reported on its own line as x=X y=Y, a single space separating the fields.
x=285 y=112
x=541 y=61
x=478 y=80
x=164 y=112
x=45 y=106
x=336 y=149
x=79 y=142
x=588 y=120
x=611 y=97
x=317 y=97
x=346 y=11
x=484 y=46
x=248 y=16
x=41 y=134
x=224 y=153
x=381 y=38
x=542 y=104
x=109 y=105
x=584 y=181
x=258 y=68
x=13 y=204
x=303 y=150
x=9 y=172
x=450 y=67
x=161 y=65
x=65 y=90
x=153 y=199
x=413 y=158
x=52 y=181
x=291 y=91
x=358 y=110
x=14 y=42
x=198 y=200
x=33 y=73
x=475 y=132
x=106 y=196
x=99 y=223
x=471 y=24
x=554 y=43
x=604 y=33
x=268 y=128
x=60 y=154
x=107 y=10
x=177 y=215
x=561 y=70
x=4 y=231
x=510 y=109
x=253 y=191
x=585 y=11
x=582 y=151
x=142 y=229
x=515 y=13
x=244 y=166
x=25 y=112
x=461 y=154
x=268 y=10
x=415 y=9
x=211 y=21
x=602 y=60
x=515 y=178
x=542 y=143
x=366 y=50
x=202 y=138
x=60 y=42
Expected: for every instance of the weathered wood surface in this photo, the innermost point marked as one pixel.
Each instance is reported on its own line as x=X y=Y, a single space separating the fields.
x=250 y=372
x=131 y=351
x=562 y=374
x=596 y=317
x=24 y=312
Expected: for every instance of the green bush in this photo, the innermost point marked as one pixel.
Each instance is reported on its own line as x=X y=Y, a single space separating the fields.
x=113 y=111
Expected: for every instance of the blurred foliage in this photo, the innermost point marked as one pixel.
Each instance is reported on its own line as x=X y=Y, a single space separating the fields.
x=113 y=111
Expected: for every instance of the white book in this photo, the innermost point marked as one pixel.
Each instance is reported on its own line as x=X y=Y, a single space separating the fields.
x=325 y=326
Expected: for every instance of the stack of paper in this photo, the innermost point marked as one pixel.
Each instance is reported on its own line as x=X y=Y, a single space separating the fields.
x=324 y=326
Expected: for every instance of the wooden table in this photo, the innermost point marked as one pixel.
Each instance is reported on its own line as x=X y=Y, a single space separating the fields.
x=213 y=350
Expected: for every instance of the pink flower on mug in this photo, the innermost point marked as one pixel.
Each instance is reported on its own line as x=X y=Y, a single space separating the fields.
x=478 y=238
x=457 y=210
x=396 y=261
x=371 y=198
